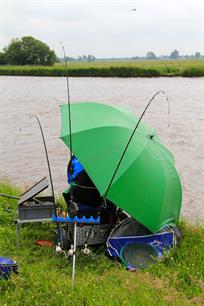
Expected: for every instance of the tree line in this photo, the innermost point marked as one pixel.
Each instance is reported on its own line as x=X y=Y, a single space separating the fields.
x=81 y=58
x=173 y=55
x=30 y=51
x=149 y=56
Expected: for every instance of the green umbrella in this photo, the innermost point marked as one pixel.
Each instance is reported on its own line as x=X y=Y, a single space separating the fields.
x=146 y=184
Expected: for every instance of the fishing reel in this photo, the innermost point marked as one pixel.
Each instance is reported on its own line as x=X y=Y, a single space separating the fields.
x=59 y=250
x=86 y=250
x=71 y=251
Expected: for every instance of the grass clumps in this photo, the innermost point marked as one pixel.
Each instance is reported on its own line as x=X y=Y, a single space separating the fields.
x=45 y=278
x=123 y=69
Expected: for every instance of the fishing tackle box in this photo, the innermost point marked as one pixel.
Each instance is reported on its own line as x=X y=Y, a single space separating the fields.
x=32 y=207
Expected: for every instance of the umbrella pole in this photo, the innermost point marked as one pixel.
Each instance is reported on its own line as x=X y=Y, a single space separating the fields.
x=74 y=255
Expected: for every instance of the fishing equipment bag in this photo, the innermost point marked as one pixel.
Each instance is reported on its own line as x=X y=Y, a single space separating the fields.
x=136 y=246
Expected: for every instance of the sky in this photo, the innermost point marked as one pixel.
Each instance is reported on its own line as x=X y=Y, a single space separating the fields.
x=106 y=28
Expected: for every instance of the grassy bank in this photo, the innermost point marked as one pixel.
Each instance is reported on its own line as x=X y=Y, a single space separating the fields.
x=45 y=279
x=184 y=68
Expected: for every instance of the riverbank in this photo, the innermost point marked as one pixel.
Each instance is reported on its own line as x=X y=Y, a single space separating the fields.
x=123 y=69
x=45 y=279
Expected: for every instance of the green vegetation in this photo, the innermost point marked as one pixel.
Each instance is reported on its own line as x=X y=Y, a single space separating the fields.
x=45 y=278
x=27 y=51
x=185 y=68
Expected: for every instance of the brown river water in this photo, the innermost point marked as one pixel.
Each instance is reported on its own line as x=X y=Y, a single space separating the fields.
x=22 y=158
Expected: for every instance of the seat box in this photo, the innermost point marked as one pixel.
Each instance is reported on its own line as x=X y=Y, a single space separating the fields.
x=32 y=210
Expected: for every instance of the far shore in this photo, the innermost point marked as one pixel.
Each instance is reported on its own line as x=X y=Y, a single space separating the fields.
x=122 y=69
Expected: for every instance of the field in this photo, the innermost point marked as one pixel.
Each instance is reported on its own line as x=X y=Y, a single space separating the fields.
x=45 y=278
x=156 y=68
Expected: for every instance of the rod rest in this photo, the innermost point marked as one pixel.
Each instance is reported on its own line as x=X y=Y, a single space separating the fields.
x=76 y=219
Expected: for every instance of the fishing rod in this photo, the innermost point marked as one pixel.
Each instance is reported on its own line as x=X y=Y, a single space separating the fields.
x=50 y=175
x=128 y=143
x=48 y=162
x=9 y=196
x=72 y=208
x=68 y=99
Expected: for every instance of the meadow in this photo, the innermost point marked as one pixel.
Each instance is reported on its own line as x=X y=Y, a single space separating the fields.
x=133 y=68
x=45 y=278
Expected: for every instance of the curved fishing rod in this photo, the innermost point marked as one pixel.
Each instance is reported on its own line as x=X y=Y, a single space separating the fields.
x=72 y=205
x=48 y=162
x=123 y=154
x=69 y=115
x=50 y=174
x=68 y=98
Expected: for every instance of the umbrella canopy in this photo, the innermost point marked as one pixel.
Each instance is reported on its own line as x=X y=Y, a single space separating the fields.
x=146 y=184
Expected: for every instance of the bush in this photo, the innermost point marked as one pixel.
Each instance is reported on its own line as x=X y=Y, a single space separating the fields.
x=29 y=51
x=193 y=72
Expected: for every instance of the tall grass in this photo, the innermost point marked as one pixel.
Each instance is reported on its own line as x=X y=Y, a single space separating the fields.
x=45 y=278
x=193 y=68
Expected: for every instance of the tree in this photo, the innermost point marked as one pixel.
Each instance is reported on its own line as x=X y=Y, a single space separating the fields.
x=174 y=54
x=91 y=58
x=150 y=55
x=2 y=58
x=197 y=55
x=70 y=59
x=29 y=51
x=84 y=58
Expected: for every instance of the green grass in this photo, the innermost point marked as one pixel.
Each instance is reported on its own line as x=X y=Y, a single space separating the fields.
x=45 y=278
x=185 y=68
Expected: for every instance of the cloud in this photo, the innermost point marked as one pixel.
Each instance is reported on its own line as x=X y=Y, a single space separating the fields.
x=107 y=28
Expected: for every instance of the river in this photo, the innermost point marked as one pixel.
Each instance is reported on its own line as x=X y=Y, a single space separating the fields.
x=22 y=159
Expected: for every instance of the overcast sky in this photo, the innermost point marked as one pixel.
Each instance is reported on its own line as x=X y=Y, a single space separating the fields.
x=107 y=28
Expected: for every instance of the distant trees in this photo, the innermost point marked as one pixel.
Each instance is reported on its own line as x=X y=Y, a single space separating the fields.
x=86 y=58
x=70 y=59
x=150 y=55
x=29 y=51
x=83 y=58
x=174 y=54
x=197 y=55
x=91 y=58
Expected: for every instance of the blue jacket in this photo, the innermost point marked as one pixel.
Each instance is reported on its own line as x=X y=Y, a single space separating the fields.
x=76 y=169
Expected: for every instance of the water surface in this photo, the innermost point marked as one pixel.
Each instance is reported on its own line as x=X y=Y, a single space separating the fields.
x=22 y=159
